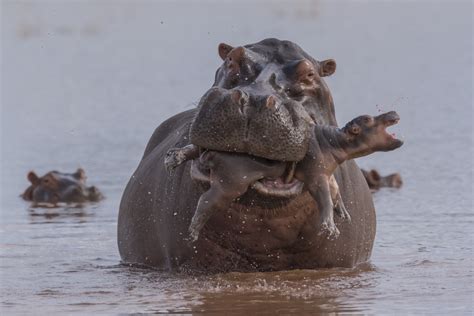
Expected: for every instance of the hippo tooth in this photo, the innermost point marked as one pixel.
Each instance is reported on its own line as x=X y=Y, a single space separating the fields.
x=291 y=172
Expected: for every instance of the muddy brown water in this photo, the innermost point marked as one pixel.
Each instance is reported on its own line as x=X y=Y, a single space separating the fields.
x=85 y=84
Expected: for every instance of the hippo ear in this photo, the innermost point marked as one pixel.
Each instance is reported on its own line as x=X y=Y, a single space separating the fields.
x=374 y=175
x=32 y=177
x=354 y=130
x=327 y=67
x=224 y=50
x=80 y=174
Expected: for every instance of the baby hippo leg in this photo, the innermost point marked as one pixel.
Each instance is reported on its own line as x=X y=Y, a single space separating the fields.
x=230 y=177
x=321 y=193
x=339 y=207
x=218 y=197
x=176 y=156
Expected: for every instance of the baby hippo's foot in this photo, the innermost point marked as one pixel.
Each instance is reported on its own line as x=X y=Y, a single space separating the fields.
x=194 y=231
x=341 y=211
x=328 y=229
x=174 y=157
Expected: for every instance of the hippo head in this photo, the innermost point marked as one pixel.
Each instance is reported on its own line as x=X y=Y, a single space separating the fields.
x=265 y=98
x=56 y=187
x=377 y=181
x=367 y=134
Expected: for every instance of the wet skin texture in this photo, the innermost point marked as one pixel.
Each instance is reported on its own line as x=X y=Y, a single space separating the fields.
x=55 y=187
x=257 y=232
x=230 y=175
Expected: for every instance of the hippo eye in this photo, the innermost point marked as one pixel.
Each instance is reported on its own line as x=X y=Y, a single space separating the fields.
x=234 y=80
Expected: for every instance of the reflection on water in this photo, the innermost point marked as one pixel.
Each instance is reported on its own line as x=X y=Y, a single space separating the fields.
x=85 y=83
x=54 y=214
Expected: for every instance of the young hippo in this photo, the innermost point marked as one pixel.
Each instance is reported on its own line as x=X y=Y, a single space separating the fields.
x=55 y=187
x=377 y=181
x=232 y=174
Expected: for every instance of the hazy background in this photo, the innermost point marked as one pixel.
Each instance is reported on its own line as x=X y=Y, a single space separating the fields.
x=85 y=83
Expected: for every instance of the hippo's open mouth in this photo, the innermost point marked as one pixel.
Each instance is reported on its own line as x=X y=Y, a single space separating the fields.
x=390 y=119
x=286 y=186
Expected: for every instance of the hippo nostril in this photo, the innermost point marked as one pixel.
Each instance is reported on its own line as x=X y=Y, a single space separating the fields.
x=240 y=98
x=271 y=103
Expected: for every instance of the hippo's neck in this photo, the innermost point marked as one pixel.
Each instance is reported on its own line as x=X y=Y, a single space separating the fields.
x=334 y=144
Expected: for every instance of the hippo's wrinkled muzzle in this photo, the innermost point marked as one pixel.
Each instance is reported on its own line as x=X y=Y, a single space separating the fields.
x=262 y=125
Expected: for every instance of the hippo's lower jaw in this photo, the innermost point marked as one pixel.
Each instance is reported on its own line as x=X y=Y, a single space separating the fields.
x=268 y=187
x=277 y=187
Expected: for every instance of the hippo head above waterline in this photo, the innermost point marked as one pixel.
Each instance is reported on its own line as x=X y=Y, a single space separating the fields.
x=55 y=187
x=264 y=100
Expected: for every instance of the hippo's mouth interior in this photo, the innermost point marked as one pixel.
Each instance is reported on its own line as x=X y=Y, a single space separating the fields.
x=285 y=186
x=387 y=123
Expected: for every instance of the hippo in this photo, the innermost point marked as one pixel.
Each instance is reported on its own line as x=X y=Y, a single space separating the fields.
x=55 y=187
x=231 y=175
x=377 y=181
x=280 y=93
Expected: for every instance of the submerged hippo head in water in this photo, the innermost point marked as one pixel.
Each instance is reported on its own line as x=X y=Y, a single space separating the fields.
x=377 y=181
x=55 y=187
x=265 y=99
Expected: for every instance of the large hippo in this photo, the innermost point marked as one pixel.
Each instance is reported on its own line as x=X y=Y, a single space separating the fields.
x=280 y=92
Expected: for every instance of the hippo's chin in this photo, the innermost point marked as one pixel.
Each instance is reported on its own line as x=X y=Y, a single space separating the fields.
x=268 y=187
